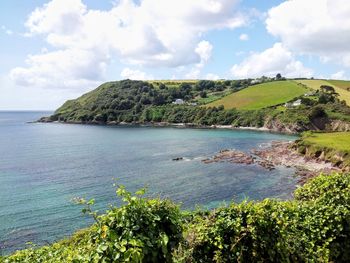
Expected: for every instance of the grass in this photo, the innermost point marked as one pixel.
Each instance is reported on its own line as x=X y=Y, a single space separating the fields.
x=343 y=84
x=333 y=147
x=339 y=141
x=213 y=96
x=339 y=86
x=261 y=96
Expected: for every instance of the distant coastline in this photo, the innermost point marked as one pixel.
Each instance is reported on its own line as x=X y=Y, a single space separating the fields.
x=169 y=124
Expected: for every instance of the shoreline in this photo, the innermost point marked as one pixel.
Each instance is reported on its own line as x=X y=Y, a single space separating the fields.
x=175 y=125
x=279 y=153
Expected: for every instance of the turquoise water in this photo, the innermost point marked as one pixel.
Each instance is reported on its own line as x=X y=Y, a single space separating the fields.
x=44 y=166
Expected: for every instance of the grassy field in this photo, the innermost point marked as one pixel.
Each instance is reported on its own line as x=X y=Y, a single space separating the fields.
x=339 y=141
x=213 y=96
x=339 y=86
x=261 y=96
x=343 y=84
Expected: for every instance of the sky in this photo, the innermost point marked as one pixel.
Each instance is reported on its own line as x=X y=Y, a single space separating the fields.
x=51 y=51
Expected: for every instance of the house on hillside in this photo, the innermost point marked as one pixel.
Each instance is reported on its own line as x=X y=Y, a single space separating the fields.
x=293 y=104
x=297 y=103
x=255 y=81
x=311 y=93
x=179 y=102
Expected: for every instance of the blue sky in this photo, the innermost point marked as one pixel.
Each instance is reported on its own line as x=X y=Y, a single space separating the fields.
x=56 y=50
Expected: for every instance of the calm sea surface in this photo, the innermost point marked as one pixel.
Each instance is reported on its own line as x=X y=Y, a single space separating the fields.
x=44 y=166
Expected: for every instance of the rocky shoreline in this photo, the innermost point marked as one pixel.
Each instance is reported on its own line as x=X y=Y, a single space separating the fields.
x=277 y=154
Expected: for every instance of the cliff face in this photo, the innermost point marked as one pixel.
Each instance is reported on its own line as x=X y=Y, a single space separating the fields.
x=338 y=158
x=319 y=124
x=278 y=126
x=323 y=147
x=337 y=125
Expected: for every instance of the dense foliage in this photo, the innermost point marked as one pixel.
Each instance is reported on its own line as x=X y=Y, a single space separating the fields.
x=314 y=227
x=126 y=100
x=148 y=102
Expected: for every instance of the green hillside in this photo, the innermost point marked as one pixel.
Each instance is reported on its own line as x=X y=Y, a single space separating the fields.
x=261 y=96
x=340 y=86
x=228 y=102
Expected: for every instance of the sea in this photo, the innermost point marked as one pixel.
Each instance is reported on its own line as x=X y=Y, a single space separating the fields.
x=45 y=166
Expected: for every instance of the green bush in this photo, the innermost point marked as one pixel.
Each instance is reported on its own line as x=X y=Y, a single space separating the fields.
x=314 y=227
x=142 y=230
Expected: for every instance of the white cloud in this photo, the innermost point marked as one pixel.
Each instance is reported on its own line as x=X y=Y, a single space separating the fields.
x=243 y=37
x=270 y=62
x=69 y=68
x=128 y=73
x=316 y=27
x=204 y=50
x=194 y=73
x=32 y=98
x=149 y=32
x=339 y=75
x=211 y=76
x=57 y=18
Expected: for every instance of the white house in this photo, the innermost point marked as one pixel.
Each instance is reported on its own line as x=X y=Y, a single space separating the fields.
x=293 y=104
x=309 y=94
x=297 y=103
x=178 y=101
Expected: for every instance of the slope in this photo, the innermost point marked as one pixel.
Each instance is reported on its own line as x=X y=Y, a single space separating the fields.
x=261 y=96
x=339 y=86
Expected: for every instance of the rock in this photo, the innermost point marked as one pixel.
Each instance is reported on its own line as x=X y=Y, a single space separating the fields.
x=266 y=164
x=45 y=119
x=231 y=156
x=112 y=123
x=178 y=159
x=278 y=153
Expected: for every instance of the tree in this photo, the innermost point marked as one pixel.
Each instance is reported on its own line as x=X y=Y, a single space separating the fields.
x=203 y=94
x=317 y=112
x=327 y=89
x=278 y=76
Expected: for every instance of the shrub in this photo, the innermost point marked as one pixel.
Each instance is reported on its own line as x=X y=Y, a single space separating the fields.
x=141 y=230
x=314 y=227
x=317 y=112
